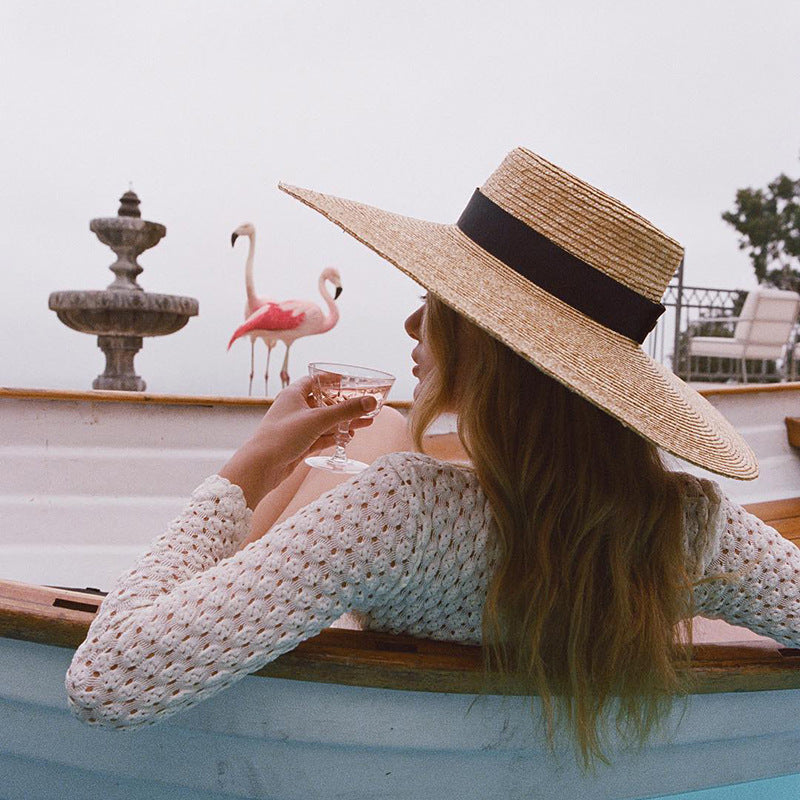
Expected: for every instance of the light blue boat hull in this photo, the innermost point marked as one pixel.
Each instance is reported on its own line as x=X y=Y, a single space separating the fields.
x=271 y=738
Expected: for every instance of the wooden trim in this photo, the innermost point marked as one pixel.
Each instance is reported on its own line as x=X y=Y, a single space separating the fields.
x=793 y=430
x=751 y=388
x=61 y=618
x=772 y=510
x=105 y=396
x=359 y=658
x=363 y=658
x=783 y=515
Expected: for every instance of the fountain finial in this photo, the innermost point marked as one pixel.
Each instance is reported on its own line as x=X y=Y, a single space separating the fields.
x=129 y=205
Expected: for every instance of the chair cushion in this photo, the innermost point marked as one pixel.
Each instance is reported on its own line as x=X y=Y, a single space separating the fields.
x=716 y=346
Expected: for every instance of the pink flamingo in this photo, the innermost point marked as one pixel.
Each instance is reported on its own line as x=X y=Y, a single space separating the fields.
x=254 y=301
x=291 y=319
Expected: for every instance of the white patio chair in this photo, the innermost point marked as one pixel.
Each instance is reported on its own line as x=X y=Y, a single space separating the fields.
x=762 y=329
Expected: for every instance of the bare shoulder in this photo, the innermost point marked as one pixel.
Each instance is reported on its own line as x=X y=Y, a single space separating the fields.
x=390 y=421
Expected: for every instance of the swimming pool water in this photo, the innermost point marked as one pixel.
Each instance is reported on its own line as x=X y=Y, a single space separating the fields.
x=785 y=788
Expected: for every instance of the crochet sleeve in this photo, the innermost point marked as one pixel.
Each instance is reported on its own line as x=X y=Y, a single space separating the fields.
x=194 y=615
x=751 y=577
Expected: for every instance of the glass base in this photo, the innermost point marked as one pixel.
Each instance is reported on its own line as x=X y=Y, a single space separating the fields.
x=350 y=466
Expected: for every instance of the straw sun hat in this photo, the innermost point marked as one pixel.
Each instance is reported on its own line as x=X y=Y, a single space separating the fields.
x=569 y=278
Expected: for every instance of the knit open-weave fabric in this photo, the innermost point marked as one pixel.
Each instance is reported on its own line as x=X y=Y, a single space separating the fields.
x=406 y=545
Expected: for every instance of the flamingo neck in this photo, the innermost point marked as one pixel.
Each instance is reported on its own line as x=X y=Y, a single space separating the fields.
x=252 y=297
x=333 y=312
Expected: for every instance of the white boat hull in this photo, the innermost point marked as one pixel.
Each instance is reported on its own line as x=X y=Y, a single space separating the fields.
x=87 y=483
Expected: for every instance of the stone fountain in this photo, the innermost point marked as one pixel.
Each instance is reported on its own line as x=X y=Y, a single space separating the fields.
x=123 y=313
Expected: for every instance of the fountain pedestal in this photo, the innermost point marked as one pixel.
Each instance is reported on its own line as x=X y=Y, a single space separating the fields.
x=122 y=314
x=119 y=372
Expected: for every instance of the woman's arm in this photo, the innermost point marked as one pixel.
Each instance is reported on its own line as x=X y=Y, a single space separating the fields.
x=752 y=577
x=174 y=578
x=187 y=621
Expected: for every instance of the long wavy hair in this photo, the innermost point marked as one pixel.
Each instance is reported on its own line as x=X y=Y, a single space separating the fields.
x=587 y=605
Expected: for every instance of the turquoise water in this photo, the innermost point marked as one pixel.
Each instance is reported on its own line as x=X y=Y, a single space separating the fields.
x=785 y=788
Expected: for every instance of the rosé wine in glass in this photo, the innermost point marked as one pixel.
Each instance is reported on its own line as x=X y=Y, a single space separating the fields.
x=335 y=383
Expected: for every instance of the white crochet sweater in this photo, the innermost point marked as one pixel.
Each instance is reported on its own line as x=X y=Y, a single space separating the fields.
x=405 y=544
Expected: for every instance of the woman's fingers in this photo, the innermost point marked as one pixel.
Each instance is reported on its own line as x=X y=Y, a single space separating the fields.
x=329 y=440
x=338 y=412
x=354 y=425
x=347 y=410
x=303 y=386
x=309 y=426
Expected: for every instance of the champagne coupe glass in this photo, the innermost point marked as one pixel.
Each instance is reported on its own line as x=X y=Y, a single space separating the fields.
x=335 y=383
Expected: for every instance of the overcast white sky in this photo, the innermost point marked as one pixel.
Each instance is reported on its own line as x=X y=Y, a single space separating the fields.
x=204 y=107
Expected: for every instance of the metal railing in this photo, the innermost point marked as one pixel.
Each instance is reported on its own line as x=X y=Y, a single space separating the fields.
x=687 y=306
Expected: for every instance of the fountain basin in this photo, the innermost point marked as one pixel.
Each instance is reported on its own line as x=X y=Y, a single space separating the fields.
x=123 y=313
x=133 y=232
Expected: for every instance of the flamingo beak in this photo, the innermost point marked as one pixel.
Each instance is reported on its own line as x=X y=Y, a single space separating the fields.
x=234 y=237
x=337 y=292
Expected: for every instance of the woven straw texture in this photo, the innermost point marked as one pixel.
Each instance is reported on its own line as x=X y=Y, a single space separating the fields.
x=601 y=365
x=585 y=222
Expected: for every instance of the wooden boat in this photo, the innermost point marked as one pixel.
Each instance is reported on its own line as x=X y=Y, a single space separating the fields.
x=90 y=478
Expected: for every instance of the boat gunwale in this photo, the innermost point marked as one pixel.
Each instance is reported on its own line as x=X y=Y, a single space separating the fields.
x=29 y=612
x=112 y=396
x=109 y=396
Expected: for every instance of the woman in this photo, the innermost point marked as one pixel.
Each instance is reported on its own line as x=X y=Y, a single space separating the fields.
x=569 y=550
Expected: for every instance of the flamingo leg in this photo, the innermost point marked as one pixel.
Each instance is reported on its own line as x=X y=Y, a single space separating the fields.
x=270 y=345
x=285 y=368
x=252 y=364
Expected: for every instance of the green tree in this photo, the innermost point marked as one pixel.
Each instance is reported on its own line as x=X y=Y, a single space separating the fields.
x=768 y=222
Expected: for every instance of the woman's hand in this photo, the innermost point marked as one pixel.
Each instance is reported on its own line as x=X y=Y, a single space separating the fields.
x=293 y=428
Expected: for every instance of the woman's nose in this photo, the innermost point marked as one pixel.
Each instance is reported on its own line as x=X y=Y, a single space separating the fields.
x=412 y=323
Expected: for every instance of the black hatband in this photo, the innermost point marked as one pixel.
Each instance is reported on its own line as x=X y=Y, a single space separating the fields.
x=535 y=257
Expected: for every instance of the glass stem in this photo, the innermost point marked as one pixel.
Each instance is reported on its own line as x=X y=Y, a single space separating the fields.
x=339 y=456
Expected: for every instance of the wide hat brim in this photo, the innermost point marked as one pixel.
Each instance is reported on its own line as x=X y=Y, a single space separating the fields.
x=605 y=367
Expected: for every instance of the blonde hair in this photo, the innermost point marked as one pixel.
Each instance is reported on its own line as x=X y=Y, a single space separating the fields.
x=591 y=588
